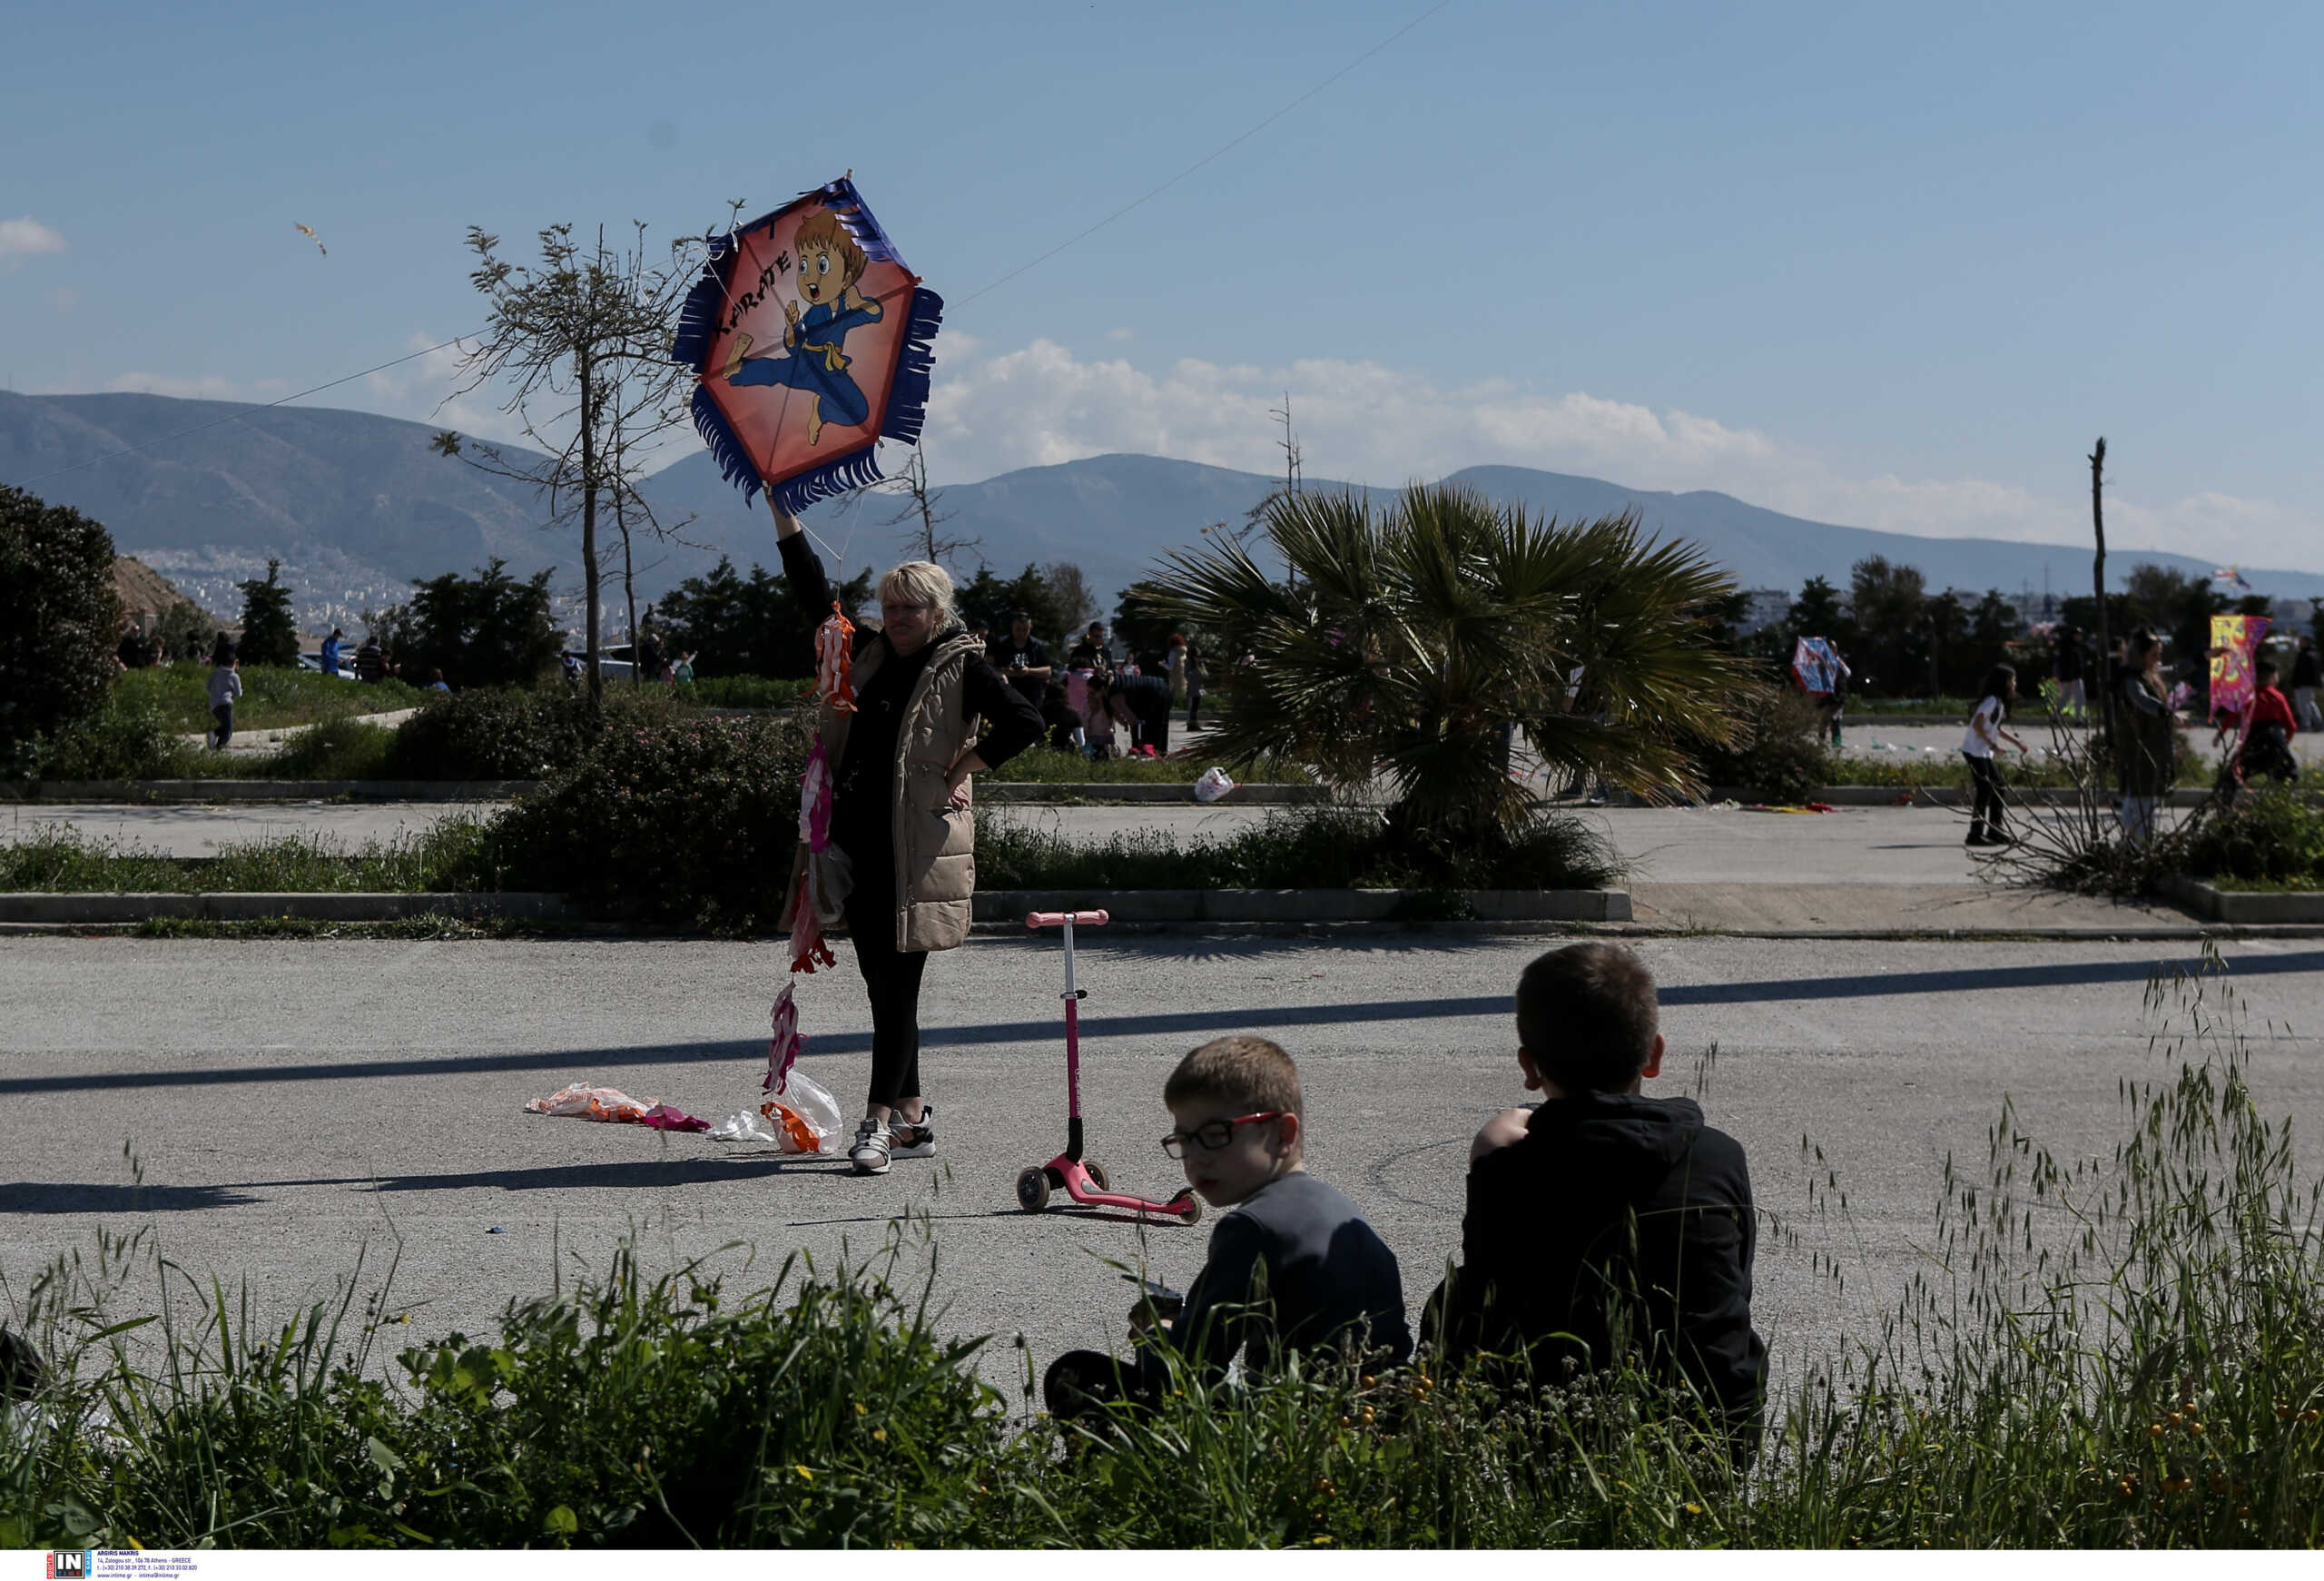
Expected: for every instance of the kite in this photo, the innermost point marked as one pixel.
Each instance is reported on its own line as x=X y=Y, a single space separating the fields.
x=1815 y=666
x=309 y=233
x=2231 y=574
x=811 y=343
x=2235 y=643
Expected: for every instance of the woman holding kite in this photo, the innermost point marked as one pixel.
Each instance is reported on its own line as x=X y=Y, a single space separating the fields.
x=901 y=811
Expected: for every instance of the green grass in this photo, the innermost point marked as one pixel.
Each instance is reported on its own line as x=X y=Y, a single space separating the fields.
x=273 y=696
x=2121 y=1351
x=1045 y=766
x=1943 y=769
x=58 y=859
x=743 y=692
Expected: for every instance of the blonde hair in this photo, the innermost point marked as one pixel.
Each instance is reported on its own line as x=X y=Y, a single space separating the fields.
x=924 y=582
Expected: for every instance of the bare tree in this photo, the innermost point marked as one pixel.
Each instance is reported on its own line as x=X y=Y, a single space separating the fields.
x=1288 y=445
x=921 y=507
x=581 y=343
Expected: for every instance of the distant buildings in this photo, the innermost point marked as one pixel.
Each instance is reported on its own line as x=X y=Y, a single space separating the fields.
x=1767 y=606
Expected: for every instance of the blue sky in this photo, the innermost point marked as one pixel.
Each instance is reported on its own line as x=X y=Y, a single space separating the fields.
x=1886 y=266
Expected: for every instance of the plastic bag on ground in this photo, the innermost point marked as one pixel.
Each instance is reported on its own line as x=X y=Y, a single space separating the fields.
x=587 y=1101
x=1214 y=784
x=801 y=1117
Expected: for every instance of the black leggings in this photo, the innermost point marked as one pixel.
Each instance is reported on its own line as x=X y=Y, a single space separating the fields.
x=892 y=981
x=1984 y=811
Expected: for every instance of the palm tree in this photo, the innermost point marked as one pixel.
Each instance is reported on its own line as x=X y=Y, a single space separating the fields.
x=1408 y=641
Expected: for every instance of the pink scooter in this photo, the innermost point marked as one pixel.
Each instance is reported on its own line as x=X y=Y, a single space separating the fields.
x=1084 y=1181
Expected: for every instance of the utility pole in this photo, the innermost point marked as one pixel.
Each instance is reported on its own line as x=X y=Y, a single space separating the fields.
x=2098 y=585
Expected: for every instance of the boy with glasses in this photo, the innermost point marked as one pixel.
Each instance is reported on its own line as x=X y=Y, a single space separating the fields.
x=1293 y=1266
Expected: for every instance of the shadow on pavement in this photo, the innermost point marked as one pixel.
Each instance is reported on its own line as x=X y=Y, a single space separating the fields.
x=1770 y=991
x=71 y=1197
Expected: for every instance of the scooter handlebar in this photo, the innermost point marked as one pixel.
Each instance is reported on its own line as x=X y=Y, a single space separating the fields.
x=1050 y=919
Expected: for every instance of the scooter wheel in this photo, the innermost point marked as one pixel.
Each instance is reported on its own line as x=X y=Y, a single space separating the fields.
x=1188 y=1206
x=1096 y=1176
x=1033 y=1190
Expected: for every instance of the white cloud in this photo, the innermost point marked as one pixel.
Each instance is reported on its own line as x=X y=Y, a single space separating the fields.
x=25 y=236
x=1369 y=423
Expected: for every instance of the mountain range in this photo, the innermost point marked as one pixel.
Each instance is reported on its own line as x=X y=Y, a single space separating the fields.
x=356 y=504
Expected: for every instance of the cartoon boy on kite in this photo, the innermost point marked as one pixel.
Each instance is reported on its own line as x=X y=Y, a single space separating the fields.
x=830 y=263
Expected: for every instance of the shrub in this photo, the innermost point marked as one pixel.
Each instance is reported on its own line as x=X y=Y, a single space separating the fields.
x=736 y=626
x=270 y=634
x=499 y=733
x=1326 y=849
x=1778 y=752
x=342 y=748
x=129 y=739
x=743 y=692
x=2274 y=836
x=690 y=823
x=60 y=618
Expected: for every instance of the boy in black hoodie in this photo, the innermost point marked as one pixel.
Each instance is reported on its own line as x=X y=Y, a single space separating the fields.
x=1600 y=1216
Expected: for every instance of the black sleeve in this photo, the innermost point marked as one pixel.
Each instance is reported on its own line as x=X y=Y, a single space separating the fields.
x=804 y=571
x=1209 y=1329
x=1016 y=723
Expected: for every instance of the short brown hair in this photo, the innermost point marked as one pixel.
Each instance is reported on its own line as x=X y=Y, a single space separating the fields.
x=821 y=228
x=1587 y=1015
x=1246 y=1071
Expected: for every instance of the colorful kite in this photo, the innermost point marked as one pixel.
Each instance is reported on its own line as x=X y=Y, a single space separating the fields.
x=2233 y=574
x=2235 y=644
x=811 y=338
x=1815 y=666
x=309 y=233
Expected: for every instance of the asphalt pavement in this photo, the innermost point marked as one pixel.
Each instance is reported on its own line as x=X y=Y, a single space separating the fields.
x=289 y=1105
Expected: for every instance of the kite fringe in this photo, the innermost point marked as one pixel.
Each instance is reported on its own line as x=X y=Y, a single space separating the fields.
x=725 y=444
x=698 y=319
x=842 y=475
x=842 y=199
x=908 y=395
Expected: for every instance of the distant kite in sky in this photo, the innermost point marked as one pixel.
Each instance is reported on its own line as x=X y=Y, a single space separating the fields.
x=2231 y=574
x=309 y=233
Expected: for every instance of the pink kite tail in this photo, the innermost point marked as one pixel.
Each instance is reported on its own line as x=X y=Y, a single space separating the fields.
x=783 y=1048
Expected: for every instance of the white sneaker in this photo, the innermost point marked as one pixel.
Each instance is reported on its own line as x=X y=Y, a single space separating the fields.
x=870 y=1152
x=912 y=1139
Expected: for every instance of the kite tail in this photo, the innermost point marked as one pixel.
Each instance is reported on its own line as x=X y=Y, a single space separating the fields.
x=908 y=396
x=808 y=948
x=733 y=461
x=842 y=476
x=698 y=319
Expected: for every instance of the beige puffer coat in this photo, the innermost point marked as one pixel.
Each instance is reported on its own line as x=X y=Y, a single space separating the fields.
x=934 y=843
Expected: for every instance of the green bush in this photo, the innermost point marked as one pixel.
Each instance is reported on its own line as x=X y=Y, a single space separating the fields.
x=500 y=732
x=1322 y=848
x=486 y=630
x=1779 y=754
x=342 y=748
x=60 y=618
x=2274 y=836
x=690 y=823
x=455 y=854
x=745 y=692
x=129 y=738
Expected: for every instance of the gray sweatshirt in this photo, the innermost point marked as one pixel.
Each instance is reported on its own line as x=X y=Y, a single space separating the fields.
x=225 y=685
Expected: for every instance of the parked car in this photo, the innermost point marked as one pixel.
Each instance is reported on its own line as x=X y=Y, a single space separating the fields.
x=314 y=661
x=612 y=661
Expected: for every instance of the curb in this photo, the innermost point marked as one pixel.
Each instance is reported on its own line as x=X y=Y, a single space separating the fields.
x=1313 y=906
x=1885 y=796
x=269 y=790
x=355 y=906
x=1003 y=793
x=2262 y=907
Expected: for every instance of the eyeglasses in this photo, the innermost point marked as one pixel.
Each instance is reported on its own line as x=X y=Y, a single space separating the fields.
x=1213 y=1135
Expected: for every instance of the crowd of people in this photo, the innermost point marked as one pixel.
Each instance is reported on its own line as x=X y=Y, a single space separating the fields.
x=1103 y=701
